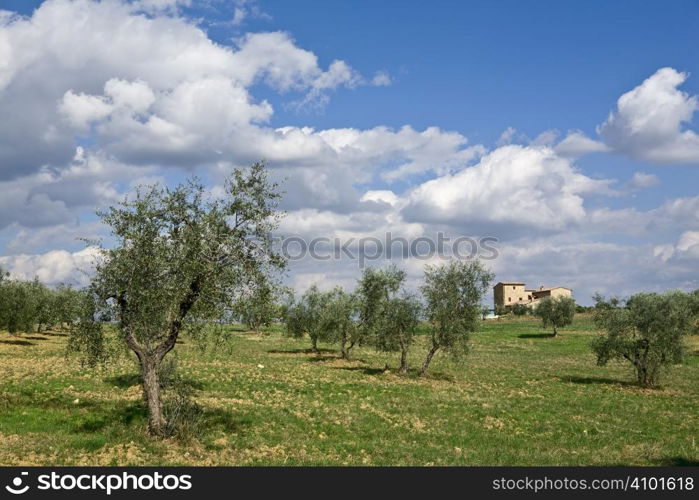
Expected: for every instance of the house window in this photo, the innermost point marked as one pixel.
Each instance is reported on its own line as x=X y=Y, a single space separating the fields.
x=520 y=299
x=509 y=299
x=513 y=288
x=529 y=297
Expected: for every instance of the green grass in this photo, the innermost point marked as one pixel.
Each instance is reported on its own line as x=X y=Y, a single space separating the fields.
x=519 y=398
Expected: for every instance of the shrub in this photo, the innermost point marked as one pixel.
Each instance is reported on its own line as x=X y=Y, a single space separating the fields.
x=520 y=309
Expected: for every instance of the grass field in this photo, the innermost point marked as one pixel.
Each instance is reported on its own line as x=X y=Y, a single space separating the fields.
x=520 y=398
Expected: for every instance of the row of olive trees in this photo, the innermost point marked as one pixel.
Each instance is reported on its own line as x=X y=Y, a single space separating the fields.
x=27 y=306
x=184 y=260
x=382 y=314
x=648 y=330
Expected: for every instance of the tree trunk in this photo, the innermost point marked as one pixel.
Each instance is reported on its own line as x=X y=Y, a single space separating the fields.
x=428 y=359
x=645 y=379
x=314 y=345
x=403 y=359
x=349 y=348
x=344 y=352
x=151 y=393
x=555 y=332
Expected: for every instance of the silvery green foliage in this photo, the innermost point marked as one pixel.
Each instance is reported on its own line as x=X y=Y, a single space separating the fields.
x=181 y=258
x=453 y=293
x=647 y=330
x=375 y=288
x=307 y=316
x=557 y=312
x=257 y=306
x=339 y=319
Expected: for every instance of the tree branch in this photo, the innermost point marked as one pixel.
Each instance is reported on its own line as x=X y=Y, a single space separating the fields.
x=185 y=306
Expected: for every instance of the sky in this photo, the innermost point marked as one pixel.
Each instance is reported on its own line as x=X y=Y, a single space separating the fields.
x=565 y=130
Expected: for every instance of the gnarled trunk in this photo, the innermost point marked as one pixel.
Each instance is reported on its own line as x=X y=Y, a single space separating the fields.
x=428 y=359
x=150 y=375
x=344 y=351
x=403 y=359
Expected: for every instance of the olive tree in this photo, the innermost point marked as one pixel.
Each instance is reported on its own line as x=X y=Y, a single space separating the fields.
x=256 y=307
x=307 y=316
x=647 y=330
x=375 y=288
x=17 y=306
x=44 y=305
x=399 y=322
x=87 y=338
x=453 y=293
x=557 y=312
x=181 y=256
x=339 y=320
x=68 y=305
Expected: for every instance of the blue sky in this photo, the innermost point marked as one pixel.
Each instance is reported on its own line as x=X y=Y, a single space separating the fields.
x=487 y=118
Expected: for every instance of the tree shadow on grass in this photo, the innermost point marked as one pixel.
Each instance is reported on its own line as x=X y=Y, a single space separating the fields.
x=35 y=337
x=125 y=415
x=678 y=462
x=536 y=336
x=320 y=358
x=433 y=375
x=596 y=380
x=212 y=419
x=298 y=351
x=413 y=373
x=124 y=381
x=127 y=380
x=16 y=342
x=55 y=334
x=366 y=370
x=215 y=419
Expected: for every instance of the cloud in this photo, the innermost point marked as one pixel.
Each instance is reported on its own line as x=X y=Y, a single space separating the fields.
x=648 y=123
x=81 y=109
x=56 y=266
x=509 y=136
x=247 y=9
x=577 y=144
x=102 y=69
x=642 y=180
x=381 y=79
x=510 y=187
x=51 y=196
x=685 y=249
x=160 y=6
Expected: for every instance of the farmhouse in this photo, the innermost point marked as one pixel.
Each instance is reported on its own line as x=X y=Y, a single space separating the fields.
x=509 y=293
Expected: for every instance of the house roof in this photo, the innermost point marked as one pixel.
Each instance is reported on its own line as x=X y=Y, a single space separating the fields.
x=510 y=283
